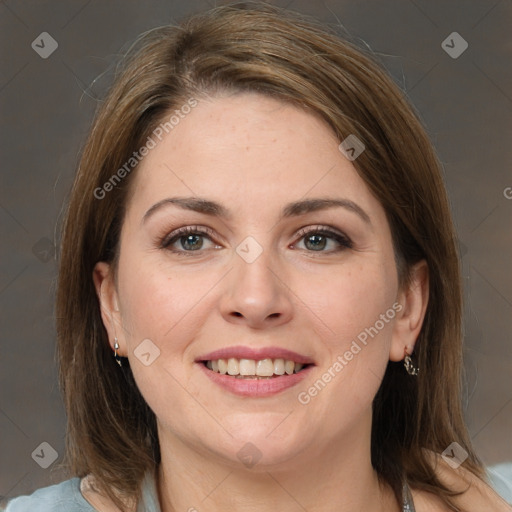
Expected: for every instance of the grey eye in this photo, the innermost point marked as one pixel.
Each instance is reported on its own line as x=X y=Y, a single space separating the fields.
x=315 y=242
x=191 y=242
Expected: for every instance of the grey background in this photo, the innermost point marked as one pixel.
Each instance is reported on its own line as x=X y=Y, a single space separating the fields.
x=47 y=106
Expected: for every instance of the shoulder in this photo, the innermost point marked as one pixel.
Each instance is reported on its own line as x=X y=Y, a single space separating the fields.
x=470 y=501
x=90 y=490
x=500 y=477
x=63 y=497
x=476 y=494
x=428 y=502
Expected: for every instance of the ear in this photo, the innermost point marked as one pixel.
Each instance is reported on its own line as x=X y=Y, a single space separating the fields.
x=413 y=299
x=107 y=295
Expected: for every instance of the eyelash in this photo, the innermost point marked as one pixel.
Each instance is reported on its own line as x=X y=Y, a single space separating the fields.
x=340 y=238
x=171 y=238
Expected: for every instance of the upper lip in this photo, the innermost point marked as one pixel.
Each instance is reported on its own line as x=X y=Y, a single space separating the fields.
x=240 y=352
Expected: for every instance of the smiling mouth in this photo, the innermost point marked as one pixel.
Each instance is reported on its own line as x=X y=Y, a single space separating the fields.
x=255 y=369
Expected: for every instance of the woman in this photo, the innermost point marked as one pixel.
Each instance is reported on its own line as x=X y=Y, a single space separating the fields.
x=259 y=302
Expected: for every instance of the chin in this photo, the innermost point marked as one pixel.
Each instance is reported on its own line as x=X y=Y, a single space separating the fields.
x=255 y=449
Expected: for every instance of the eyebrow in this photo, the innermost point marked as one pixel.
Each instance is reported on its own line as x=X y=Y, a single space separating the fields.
x=190 y=203
x=313 y=205
x=293 y=209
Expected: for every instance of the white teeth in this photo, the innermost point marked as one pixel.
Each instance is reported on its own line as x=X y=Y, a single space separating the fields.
x=247 y=367
x=251 y=368
x=233 y=366
x=223 y=366
x=265 y=368
x=279 y=366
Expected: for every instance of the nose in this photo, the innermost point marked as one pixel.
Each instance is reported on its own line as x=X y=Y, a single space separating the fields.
x=256 y=294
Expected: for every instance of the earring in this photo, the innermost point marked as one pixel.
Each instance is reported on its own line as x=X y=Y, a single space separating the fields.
x=409 y=365
x=116 y=357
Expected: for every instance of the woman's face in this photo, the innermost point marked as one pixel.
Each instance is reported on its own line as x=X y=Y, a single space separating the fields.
x=250 y=233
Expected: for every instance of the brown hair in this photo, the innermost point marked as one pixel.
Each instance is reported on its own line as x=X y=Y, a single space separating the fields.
x=111 y=430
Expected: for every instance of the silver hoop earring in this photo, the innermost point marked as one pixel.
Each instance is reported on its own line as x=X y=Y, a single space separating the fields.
x=116 y=357
x=409 y=365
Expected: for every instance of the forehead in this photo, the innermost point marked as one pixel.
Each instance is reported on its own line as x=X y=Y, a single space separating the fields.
x=248 y=149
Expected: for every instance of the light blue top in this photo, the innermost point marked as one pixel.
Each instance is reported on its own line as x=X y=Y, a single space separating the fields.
x=66 y=496
x=500 y=477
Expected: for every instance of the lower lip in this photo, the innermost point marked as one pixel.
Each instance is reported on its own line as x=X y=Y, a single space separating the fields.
x=256 y=387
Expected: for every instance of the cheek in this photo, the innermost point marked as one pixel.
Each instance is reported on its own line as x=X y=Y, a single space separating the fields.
x=349 y=300
x=358 y=311
x=157 y=300
x=165 y=307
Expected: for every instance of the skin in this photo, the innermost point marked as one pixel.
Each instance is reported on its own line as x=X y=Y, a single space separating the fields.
x=253 y=155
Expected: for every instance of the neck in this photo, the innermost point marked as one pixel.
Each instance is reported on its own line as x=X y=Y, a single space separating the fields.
x=319 y=479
